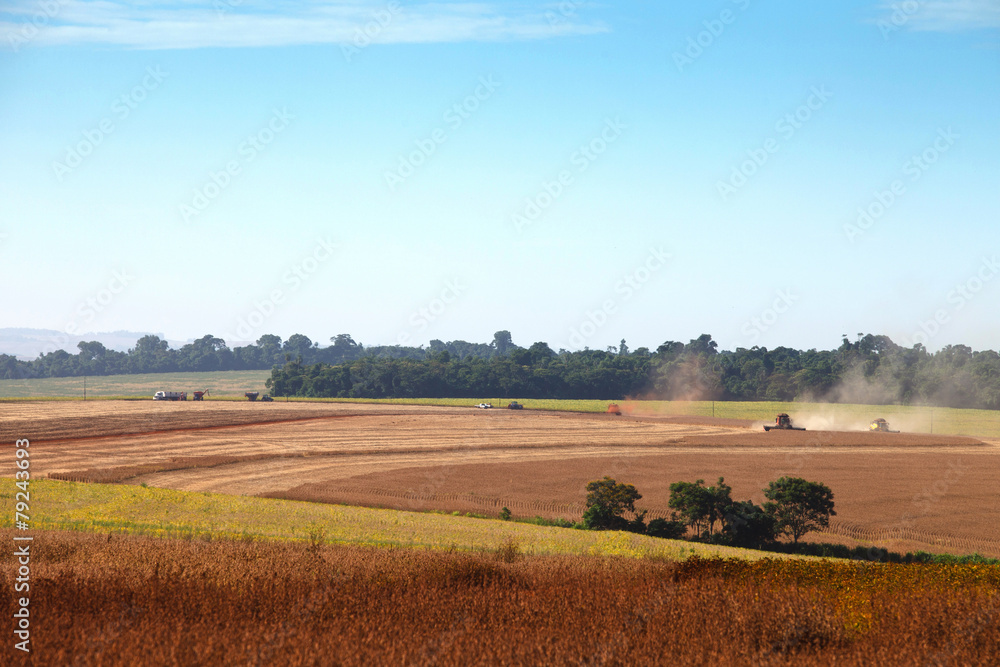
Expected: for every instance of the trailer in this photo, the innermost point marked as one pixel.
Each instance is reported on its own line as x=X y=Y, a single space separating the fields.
x=170 y=396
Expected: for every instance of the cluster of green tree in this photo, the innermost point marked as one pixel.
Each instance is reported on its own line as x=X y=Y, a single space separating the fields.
x=872 y=369
x=794 y=507
x=535 y=372
x=152 y=354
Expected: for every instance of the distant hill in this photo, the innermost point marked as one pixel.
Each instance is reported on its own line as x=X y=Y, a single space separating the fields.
x=27 y=344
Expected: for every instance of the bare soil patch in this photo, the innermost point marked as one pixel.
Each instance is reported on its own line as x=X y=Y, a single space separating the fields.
x=900 y=500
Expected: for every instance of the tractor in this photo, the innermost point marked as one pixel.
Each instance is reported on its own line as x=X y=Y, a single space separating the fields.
x=783 y=423
x=880 y=425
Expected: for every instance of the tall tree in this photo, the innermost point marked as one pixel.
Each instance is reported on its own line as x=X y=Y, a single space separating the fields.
x=607 y=503
x=799 y=506
x=700 y=506
x=502 y=342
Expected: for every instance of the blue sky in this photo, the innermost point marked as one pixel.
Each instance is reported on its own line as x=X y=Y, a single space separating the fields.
x=576 y=172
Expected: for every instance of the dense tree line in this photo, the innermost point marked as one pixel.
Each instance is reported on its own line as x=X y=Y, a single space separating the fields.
x=870 y=369
x=152 y=354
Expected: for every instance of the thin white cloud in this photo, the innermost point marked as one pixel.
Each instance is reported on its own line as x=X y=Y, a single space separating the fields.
x=942 y=15
x=234 y=23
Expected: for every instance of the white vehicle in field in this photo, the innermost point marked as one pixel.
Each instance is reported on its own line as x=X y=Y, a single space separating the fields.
x=170 y=396
x=484 y=406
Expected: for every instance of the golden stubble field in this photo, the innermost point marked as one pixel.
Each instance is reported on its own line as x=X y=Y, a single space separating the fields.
x=902 y=491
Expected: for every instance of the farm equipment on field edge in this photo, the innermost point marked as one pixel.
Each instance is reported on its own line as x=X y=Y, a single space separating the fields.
x=252 y=395
x=200 y=395
x=783 y=423
x=514 y=405
x=613 y=409
x=170 y=396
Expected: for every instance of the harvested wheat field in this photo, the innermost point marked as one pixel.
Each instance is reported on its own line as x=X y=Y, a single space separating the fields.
x=901 y=491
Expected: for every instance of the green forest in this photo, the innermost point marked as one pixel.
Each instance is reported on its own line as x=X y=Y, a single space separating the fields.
x=870 y=369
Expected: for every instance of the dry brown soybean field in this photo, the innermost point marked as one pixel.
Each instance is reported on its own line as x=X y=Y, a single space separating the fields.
x=243 y=602
x=905 y=492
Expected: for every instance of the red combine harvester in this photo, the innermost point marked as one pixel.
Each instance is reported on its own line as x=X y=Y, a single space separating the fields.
x=200 y=395
x=783 y=423
x=613 y=409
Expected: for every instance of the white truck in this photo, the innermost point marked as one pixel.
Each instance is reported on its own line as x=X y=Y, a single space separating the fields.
x=170 y=396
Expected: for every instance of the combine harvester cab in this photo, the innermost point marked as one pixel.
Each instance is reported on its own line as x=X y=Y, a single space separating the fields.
x=880 y=425
x=783 y=423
